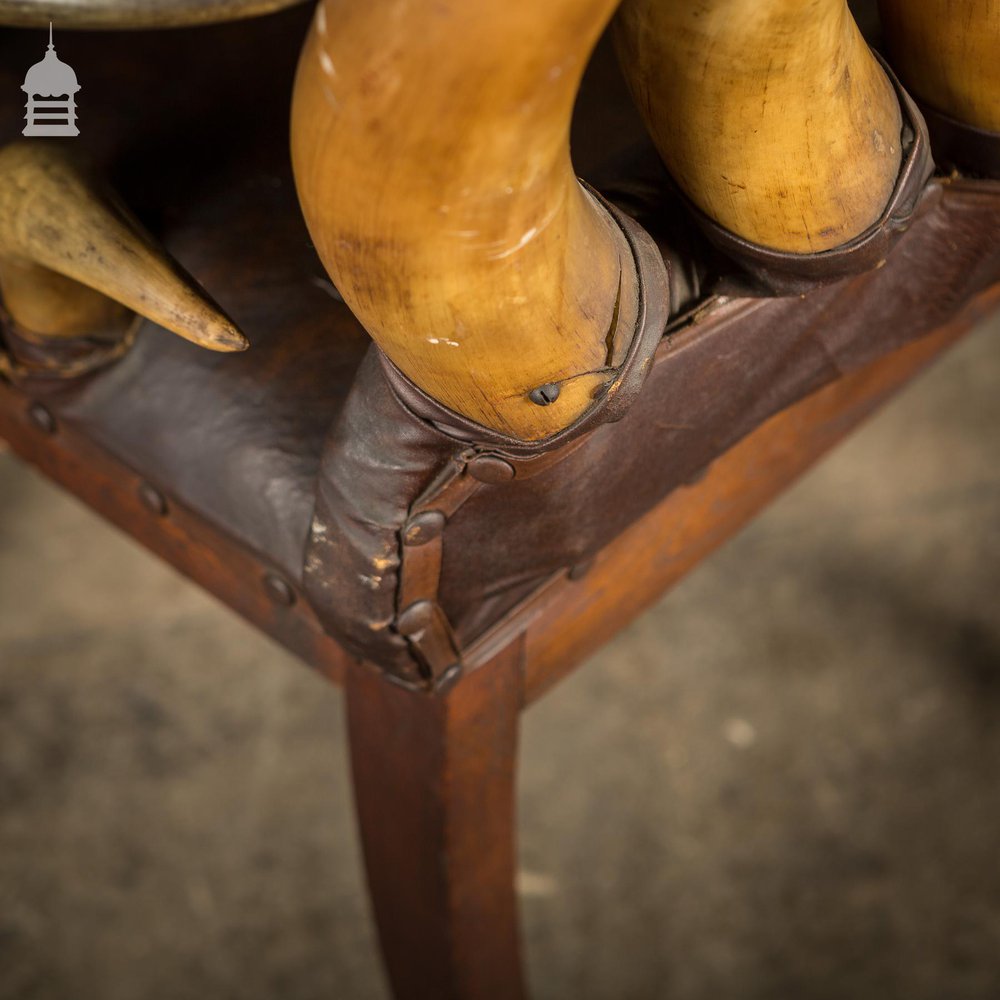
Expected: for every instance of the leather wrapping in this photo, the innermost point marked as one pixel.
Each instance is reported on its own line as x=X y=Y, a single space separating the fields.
x=396 y=455
x=711 y=382
x=785 y=273
x=963 y=147
x=393 y=443
x=40 y=365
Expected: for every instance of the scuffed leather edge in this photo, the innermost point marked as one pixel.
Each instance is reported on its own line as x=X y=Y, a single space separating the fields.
x=395 y=452
x=784 y=273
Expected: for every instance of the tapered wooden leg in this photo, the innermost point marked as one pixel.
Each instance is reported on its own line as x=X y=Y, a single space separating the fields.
x=434 y=787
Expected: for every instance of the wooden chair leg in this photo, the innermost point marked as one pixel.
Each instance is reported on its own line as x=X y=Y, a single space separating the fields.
x=434 y=784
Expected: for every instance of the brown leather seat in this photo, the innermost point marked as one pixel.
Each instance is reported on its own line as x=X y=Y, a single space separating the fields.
x=238 y=438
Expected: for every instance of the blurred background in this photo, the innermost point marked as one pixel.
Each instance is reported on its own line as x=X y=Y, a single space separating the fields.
x=783 y=781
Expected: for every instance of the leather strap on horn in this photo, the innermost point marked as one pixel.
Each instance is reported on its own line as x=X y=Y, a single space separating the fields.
x=399 y=465
x=794 y=273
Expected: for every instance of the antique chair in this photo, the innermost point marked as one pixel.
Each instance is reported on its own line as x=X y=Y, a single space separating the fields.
x=576 y=390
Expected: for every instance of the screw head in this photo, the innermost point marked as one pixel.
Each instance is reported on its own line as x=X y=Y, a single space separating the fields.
x=41 y=417
x=544 y=395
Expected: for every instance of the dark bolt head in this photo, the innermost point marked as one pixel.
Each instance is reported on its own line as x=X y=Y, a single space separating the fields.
x=279 y=590
x=42 y=418
x=544 y=394
x=152 y=499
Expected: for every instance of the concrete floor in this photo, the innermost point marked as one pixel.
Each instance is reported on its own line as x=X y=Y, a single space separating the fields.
x=782 y=782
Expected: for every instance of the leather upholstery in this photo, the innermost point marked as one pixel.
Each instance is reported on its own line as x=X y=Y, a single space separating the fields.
x=191 y=126
x=713 y=380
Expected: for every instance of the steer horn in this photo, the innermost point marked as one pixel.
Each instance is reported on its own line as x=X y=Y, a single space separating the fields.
x=72 y=260
x=773 y=116
x=431 y=153
x=949 y=55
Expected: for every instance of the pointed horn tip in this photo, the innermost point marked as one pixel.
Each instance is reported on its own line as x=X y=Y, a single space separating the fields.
x=213 y=330
x=223 y=338
x=227 y=340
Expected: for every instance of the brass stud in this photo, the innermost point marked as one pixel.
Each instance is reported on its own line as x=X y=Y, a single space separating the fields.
x=423 y=527
x=491 y=469
x=152 y=499
x=41 y=417
x=279 y=590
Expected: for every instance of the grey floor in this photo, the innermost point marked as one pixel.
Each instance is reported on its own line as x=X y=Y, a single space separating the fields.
x=782 y=782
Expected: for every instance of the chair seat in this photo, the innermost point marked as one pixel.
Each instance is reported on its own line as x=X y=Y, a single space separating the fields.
x=237 y=439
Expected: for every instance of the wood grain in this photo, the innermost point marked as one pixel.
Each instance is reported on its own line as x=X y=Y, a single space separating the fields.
x=566 y=621
x=434 y=783
x=201 y=550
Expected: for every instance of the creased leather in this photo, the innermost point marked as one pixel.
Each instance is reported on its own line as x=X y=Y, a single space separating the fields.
x=204 y=164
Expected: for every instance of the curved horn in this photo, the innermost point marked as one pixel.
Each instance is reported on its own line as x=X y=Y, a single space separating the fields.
x=772 y=115
x=431 y=152
x=950 y=57
x=69 y=256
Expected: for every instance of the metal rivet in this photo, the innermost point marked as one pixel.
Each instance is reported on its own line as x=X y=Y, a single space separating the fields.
x=544 y=394
x=279 y=590
x=42 y=418
x=152 y=499
x=424 y=527
x=415 y=618
x=491 y=469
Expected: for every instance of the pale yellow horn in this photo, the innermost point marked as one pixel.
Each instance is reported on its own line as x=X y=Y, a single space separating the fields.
x=70 y=258
x=949 y=55
x=431 y=153
x=773 y=116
